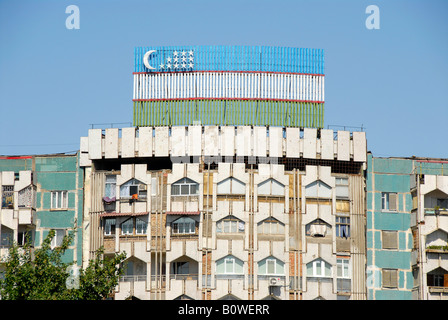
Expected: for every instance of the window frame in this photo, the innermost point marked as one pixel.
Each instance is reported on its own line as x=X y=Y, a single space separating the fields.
x=113 y=185
x=132 y=228
x=175 y=231
x=391 y=278
x=232 y=219
x=343 y=265
x=385 y=202
x=270 y=221
x=345 y=185
x=322 y=274
x=339 y=224
x=231 y=182
x=271 y=182
x=141 y=192
x=384 y=233
x=54 y=241
x=59 y=194
x=112 y=230
x=185 y=181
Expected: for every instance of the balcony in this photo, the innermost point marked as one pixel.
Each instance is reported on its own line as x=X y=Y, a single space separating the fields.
x=437 y=249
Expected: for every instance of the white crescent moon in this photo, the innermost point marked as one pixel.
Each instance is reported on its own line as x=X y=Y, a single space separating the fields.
x=145 y=60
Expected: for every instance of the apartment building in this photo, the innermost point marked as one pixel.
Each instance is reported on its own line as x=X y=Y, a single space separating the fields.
x=40 y=193
x=228 y=187
x=406 y=229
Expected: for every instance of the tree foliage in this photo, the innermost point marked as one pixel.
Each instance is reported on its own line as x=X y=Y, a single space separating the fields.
x=41 y=274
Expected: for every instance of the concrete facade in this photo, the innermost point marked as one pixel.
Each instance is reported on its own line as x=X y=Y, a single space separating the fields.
x=228 y=212
x=40 y=193
x=406 y=239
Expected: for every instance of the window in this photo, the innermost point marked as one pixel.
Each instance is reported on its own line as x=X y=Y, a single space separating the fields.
x=8 y=197
x=230 y=224
x=110 y=186
x=109 y=227
x=271 y=187
x=231 y=186
x=389 y=239
x=318 y=268
x=133 y=189
x=389 y=201
x=342 y=227
x=271 y=226
x=342 y=188
x=442 y=203
x=127 y=227
x=318 y=189
x=184 y=226
x=140 y=226
x=59 y=200
x=25 y=237
x=229 y=265
x=58 y=238
x=181 y=267
x=271 y=266
x=184 y=187
x=390 y=278
x=343 y=268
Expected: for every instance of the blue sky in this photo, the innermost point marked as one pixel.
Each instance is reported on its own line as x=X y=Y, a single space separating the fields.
x=55 y=82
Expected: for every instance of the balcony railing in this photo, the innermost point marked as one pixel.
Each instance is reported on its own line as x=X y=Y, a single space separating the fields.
x=136 y=278
x=184 y=276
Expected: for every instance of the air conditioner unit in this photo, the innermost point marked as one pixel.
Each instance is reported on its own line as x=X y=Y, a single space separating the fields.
x=275 y=281
x=142 y=187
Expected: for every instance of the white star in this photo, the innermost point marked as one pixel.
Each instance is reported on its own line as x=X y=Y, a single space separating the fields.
x=175 y=53
x=176 y=59
x=184 y=53
x=168 y=59
x=176 y=66
x=162 y=66
x=190 y=52
x=184 y=59
x=184 y=65
x=191 y=58
x=190 y=65
x=168 y=65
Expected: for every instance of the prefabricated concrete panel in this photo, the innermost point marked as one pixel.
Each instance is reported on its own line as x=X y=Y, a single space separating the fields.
x=359 y=146
x=309 y=143
x=243 y=141
x=161 y=148
x=111 y=143
x=228 y=141
x=326 y=144
x=260 y=142
x=211 y=141
x=128 y=142
x=178 y=141
x=145 y=142
x=84 y=160
x=292 y=142
x=275 y=142
x=344 y=145
x=194 y=140
x=95 y=136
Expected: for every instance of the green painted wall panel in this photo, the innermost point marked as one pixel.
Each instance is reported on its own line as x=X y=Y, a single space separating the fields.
x=392 y=183
x=228 y=112
x=392 y=259
x=393 y=295
x=396 y=166
x=57 y=180
x=56 y=219
x=56 y=164
x=392 y=221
